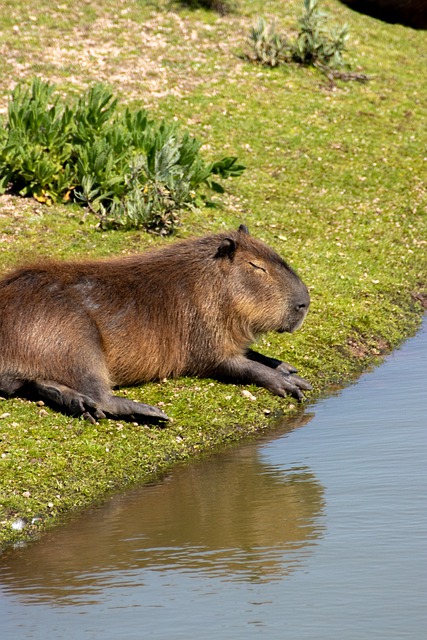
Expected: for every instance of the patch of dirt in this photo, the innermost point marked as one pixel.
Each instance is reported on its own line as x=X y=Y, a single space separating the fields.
x=14 y=207
x=361 y=350
x=421 y=296
x=357 y=349
x=164 y=55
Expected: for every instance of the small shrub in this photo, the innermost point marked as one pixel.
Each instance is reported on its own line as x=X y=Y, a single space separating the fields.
x=267 y=46
x=124 y=167
x=315 y=45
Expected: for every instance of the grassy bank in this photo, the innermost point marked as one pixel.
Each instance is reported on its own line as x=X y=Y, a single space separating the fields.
x=335 y=182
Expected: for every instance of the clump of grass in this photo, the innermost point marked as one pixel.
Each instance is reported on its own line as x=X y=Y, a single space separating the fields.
x=267 y=46
x=316 y=44
x=126 y=168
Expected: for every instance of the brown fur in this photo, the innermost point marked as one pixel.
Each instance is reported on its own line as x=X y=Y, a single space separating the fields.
x=70 y=331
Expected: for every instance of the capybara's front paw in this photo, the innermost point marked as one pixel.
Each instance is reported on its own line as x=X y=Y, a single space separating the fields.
x=290 y=384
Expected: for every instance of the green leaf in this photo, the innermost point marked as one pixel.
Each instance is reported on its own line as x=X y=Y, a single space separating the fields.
x=228 y=167
x=215 y=186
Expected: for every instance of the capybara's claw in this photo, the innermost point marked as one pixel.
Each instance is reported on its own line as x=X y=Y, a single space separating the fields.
x=301 y=383
x=286 y=368
x=153 y=412
x=141 y=410
x=89 y=417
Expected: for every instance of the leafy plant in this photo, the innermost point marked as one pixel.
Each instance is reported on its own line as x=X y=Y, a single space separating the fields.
x=267 y=46
x=124 y=167
x=35 y=145
x=315 y=45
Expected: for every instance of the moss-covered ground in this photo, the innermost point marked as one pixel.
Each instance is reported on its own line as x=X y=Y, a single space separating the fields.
x=335 y=181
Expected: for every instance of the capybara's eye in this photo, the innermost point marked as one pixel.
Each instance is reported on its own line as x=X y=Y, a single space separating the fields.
x=256 y=266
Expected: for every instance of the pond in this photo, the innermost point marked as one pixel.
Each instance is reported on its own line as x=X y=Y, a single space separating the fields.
x=316 y=532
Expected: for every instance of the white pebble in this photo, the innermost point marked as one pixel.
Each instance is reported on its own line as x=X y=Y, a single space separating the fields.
x=247 y=394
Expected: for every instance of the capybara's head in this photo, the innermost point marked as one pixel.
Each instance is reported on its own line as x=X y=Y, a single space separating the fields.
x=265 y=292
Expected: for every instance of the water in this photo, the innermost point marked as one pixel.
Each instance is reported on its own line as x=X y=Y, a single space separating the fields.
x=316 y=533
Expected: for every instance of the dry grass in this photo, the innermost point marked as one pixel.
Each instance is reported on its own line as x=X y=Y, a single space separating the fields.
x=149 y=55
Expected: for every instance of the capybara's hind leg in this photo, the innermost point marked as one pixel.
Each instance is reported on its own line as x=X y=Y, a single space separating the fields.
x=95 y=406
x=9 y=385
x=138 y=411
x=68 y=399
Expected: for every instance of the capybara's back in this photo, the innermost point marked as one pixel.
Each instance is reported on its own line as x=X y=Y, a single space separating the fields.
x=72 y=330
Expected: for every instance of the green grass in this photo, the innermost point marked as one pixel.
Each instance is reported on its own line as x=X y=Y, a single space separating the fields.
x=335 y=182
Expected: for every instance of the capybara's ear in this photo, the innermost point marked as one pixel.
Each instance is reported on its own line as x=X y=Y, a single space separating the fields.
x=243 y=229
x=226 y=249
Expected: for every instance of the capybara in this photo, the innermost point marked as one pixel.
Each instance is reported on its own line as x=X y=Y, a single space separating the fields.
x=70 y=331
